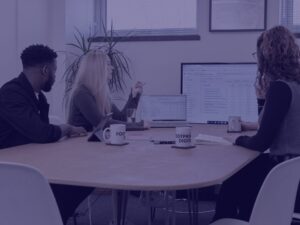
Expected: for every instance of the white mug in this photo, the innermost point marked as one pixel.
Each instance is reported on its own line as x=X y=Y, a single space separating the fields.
x=183 y=136
x=234 y=124
x=117 y=134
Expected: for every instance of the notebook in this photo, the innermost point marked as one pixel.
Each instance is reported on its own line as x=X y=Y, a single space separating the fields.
x=210 y=139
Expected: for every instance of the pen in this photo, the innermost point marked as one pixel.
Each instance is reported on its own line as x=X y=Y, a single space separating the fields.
x=216 y=122
x=164 y=142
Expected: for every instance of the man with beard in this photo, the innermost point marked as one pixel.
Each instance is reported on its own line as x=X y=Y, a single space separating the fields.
x=24 y=108
x=24 y=116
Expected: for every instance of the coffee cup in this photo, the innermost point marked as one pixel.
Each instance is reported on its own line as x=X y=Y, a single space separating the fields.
x=117 y=133
x=234 y=124
x=183 y=137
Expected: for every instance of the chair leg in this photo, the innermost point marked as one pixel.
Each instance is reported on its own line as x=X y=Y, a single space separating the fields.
x=170 y=216
x=75 y=219
x=193 y=206
x=153 y=211
x=119 y=198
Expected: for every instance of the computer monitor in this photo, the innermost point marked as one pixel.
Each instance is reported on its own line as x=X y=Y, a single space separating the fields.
x=162 y=107
x=215 y=91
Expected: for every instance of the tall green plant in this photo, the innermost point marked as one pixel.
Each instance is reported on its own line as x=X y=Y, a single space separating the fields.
x=119 y=61
x=84 y=46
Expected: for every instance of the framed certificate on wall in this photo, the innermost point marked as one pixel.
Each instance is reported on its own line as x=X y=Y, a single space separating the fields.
x=237 y=15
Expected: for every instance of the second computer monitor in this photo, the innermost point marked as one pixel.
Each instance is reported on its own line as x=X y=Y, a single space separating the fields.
x=215 y=91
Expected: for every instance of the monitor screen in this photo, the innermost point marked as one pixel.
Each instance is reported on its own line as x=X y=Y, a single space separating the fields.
x=163 y=107
x=215 y=91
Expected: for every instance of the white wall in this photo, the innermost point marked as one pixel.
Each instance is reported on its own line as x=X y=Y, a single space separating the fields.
x=30 y=22
x=8 y=40
x=79 y=14
x=56 y=31
x=23 y=23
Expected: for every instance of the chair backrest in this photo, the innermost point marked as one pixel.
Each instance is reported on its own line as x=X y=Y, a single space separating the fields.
x=26 y=197
x=276 y=199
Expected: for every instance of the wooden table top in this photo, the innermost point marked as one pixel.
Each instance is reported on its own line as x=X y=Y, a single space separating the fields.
x=140 y=165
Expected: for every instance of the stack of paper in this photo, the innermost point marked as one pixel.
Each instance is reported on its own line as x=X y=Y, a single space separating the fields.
x=203 y=139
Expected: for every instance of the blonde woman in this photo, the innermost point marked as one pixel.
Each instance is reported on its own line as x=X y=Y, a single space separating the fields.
x=90 y=99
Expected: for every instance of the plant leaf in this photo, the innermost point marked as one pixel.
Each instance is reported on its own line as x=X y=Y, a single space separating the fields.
x=78 y=41
x=74 y=45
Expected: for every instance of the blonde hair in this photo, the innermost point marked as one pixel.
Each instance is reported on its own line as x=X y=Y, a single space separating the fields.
x=93 y=73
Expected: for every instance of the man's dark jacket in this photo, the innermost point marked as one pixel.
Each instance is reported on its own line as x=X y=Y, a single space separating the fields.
x=23 y=116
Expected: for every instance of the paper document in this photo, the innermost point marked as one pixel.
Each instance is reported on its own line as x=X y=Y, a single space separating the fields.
x=210 y=139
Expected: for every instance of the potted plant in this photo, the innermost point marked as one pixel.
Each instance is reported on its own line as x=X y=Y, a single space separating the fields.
x=119 y=61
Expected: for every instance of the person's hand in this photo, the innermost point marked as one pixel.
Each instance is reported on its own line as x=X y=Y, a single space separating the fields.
x=68 y=130
x=77 y=132
x=137 y=89
x=146 y=124
x=65 y=130
x=249 y=126
x=230 y=139
x=261 y=86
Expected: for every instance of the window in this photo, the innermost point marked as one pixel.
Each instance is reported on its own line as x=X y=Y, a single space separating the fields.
x=290 y=15
x=153 y=19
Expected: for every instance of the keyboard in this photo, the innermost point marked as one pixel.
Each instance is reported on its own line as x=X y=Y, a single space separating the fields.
x=168 y=123
x=136 y=128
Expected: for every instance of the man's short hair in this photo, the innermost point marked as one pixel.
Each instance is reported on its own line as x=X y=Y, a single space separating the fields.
x=37 y=55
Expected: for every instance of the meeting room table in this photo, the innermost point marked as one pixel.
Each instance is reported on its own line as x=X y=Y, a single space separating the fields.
x=140 y=165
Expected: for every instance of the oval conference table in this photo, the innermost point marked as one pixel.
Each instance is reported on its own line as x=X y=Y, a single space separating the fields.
x=140 y=165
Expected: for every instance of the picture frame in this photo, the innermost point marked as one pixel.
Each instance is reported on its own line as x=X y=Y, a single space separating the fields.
x=237 y=15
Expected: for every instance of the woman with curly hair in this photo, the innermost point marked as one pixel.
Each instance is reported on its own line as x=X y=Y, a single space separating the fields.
x=279 y=86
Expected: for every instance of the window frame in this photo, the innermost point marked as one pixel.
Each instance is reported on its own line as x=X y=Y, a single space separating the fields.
x=287 y=19
x=100 y=17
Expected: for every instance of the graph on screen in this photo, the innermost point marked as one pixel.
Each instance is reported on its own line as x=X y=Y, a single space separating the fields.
x=215 y=91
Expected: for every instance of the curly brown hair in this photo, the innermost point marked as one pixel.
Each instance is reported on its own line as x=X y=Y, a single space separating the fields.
x=278 y=55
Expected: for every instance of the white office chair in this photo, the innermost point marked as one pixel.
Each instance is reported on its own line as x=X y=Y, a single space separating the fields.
x=26 y=197
x=275 y=202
